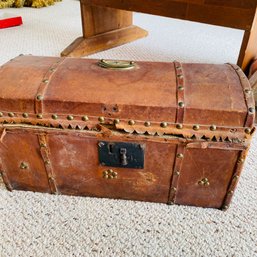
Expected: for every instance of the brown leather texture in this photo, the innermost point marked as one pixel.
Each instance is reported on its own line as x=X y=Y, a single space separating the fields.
x=194 y=123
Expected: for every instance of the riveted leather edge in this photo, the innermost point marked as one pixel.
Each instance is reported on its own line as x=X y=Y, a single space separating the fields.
x=45 y=153
x=248 y=95
x=234 y=180
x=180 y=89
x=179 y=157
x=39 y=98
x=5 y=177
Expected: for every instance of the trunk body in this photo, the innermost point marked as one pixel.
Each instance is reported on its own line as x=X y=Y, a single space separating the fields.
x=159 y=132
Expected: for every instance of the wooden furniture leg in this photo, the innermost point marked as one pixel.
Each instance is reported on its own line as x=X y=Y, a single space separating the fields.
x=248 y=50
x=103 y=28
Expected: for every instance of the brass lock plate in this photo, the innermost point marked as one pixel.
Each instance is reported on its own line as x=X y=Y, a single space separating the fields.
x=116 y=65
x=121 y=154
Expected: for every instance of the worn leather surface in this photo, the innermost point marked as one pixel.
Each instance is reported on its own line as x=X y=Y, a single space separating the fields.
x=58 y=152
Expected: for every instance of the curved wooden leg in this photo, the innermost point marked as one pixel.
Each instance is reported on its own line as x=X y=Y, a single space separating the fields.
x=103 y=28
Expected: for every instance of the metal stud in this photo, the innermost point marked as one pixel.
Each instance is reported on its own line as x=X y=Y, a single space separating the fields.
x=180 y=76
x=70 y=117
x=240 y=160
x=45 y=81
x=47 y=162
x=43 y=145
x=174 y=189
x=1 y=114
x=180 y=88
x=177 y=173
x=231 y=192
x=39 y=116
x=147 y=123
x=40 y=97
x=116 y=121
x=25 y=115
x=248 y=91
x=24 y=166
x=180 y=155
x=204 y=182
x=181 y=104
x=196 y=127
x=101 y=119
x=213 y=127
x=236 y=177
x=225 y=207
x=248 y=131
x=85 y=118
x=164 y=124
x=179 y=126
x=11 y=114
x=131 y=122
x=251 y=110
x=54 y=116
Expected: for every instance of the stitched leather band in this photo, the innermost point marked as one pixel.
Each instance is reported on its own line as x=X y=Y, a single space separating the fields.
x=234 y=180
x=43 y=86
x=248 y=96
x=45 y=153
x=4 y=176
x=180 y=92
x=176 y=173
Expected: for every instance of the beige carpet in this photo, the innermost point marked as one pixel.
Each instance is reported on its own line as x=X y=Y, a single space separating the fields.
x=33 y=224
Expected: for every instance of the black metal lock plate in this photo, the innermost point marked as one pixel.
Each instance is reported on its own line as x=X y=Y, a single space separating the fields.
x=121 y=154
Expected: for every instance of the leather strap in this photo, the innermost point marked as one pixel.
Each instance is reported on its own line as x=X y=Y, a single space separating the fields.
x=234 y=179
x=176 y=173
x=4 y=176
x=45 y=153
x=39 y=98
x=180 y=92
x=248 y=96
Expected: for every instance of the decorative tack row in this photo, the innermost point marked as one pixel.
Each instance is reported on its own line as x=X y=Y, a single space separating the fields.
x=101 y=119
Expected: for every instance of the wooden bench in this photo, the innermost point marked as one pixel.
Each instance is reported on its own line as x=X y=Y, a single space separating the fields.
x=108 y=23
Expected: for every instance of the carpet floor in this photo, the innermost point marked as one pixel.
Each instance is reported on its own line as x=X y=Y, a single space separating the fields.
x=34 y=224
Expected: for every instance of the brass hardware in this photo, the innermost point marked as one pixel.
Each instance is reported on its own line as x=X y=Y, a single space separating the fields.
x=236 y=177
x=181 y=104
x=225 y=207
x=110 y=174
x=101 y=119
x=45 y=81
x=251 y=110
x=11 y=114
x=100 y=144
x=42 y=145
x=213 y=127
x=131 y=122
x=164 y=124
x=177 y=173
x=231 y=192
x=147 y=123
x=180 y=76
x=70 y=117
x=47 y=162
x=116 y=121
x=116 y=65
x=248 y=91
x=39 y=97
x=85 y=118
x=1 y=114
x=52 y=69
x=248 y=131
x=240 y=160
x=180 y=155
x=39 y=116
x=196 y=127
x=180 y=88
x=179 y=126
x=174 y=189
x=24 y=166
x=54 y=116
x=204 y=182
x=25 y=115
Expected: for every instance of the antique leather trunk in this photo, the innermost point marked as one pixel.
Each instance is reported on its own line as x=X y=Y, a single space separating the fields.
x=159 y=132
